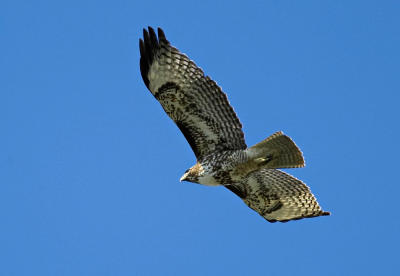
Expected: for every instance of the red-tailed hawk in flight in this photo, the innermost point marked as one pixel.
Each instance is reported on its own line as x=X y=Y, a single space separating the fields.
x=202 y=112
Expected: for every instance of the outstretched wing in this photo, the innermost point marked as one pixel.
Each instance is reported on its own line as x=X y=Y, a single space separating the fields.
x=277 y=196
x=192 y=100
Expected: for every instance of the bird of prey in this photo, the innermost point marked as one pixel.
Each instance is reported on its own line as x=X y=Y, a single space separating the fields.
x=202 y=112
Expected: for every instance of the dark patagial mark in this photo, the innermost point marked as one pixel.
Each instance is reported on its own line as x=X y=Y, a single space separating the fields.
x=165 y=88
x=240 y=193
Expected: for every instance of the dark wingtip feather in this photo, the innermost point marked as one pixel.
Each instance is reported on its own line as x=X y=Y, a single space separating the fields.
x=161 y=35
x=145 y=33
x=141 y=47
x=148 y=49
x=153 y=37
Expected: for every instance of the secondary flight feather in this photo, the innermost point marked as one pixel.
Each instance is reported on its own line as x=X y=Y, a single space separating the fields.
x=202 y=112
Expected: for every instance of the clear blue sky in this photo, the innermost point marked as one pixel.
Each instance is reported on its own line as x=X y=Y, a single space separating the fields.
x=90 y=164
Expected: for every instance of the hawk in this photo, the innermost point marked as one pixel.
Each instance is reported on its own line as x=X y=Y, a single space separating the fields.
x=202 y=112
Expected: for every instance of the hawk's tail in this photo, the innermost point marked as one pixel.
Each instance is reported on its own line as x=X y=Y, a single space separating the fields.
x=277 y=151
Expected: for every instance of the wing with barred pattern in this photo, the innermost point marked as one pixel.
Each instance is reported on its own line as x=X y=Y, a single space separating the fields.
x=277 y=196
x=192 y=100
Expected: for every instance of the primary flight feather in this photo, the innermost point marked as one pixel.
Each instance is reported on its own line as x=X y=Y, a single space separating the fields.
x=202 y=112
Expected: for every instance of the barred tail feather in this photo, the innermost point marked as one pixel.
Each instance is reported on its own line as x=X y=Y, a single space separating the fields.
x=278 y=151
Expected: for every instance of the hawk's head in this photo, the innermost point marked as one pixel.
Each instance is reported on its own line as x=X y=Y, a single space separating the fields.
x=193 y=174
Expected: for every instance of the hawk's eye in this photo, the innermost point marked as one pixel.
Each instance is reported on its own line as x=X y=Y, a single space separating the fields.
x=187 y=170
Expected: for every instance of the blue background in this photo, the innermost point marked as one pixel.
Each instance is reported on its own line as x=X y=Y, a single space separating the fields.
x=90 y=164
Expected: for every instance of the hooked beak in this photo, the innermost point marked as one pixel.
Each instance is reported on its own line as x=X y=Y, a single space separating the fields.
x=183 y=178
